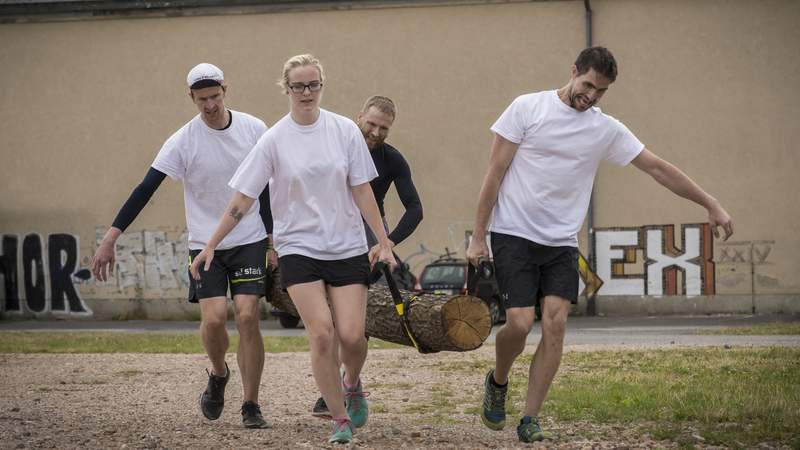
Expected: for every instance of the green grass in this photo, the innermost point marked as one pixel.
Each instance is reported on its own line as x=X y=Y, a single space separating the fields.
x=772 y=329
x=746 y=395
x=436 y=408
x=735 y=397
x=77 y=342
x=378 y=408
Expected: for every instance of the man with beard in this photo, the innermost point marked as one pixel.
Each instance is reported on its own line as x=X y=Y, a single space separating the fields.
x=544 y=158
x=204 y=154
x=375 y=119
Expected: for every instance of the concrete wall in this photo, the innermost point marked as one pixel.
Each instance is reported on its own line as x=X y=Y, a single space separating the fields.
x=708 y=85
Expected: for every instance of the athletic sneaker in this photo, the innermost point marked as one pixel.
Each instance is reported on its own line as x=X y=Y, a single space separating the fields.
x=320 y=409
x=212 y=400
x=356 y=404
x=529 y=430
x=251 y=415
x=342 y=431
x=493 y=413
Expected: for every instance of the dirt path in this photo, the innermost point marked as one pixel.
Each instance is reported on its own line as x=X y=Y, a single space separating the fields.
x=150 y=401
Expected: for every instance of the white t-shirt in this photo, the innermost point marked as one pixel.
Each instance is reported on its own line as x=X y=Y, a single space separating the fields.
x=545 y=192
x=205 y=159
x=310 y=169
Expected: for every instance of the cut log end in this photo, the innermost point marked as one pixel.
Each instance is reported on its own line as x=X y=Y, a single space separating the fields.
x=467 y=321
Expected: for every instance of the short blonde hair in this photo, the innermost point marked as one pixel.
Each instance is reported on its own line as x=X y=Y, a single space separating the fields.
x=299 y=61
x=382 y=104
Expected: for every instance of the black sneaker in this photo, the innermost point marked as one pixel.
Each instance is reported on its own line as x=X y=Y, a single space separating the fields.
x=321 y=409
x=212 y=400
x=251 y=416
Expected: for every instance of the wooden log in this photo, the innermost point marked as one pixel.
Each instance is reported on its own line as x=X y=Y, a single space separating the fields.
x=438 y=322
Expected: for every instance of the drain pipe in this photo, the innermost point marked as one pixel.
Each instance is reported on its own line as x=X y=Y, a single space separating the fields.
x=591 y=302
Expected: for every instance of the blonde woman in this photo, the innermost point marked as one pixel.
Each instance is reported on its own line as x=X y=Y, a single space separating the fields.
x=318 y=167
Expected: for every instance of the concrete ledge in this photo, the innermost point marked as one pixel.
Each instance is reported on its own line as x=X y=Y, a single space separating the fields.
x=700 y=305
x=122 y=309
x=144 y=309
x=778 y=304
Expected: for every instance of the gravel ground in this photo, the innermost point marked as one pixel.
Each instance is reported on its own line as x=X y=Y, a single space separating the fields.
x=151 y=401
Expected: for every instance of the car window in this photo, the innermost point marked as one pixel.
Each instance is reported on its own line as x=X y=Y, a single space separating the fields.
x=444 y=274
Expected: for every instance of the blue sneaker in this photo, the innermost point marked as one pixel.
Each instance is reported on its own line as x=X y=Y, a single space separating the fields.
x=342 y=431
x=493 y=413
x=529 y=430
x=356 y=404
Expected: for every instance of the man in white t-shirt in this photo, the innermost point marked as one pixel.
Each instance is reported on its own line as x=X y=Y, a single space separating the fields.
x=544 y=157
x=204 y=154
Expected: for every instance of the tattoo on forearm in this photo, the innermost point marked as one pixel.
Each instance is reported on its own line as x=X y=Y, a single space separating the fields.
x=236 y=214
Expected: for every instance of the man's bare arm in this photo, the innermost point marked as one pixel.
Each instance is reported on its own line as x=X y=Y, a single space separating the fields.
x=502 y=154
x=678 y=182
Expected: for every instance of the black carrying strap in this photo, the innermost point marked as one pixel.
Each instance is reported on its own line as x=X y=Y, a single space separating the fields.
x=401 y=305
x=485 y=270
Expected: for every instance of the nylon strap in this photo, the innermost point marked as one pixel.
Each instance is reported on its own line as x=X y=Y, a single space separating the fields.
x=403 y=306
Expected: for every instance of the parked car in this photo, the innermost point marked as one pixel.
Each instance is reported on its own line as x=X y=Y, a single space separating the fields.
x=451 y=276
x=403 y=277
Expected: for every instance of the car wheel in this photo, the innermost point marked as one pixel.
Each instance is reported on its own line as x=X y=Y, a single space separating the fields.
x=288 y=321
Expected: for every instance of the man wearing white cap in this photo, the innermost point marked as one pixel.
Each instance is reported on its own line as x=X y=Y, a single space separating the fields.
x=204 y=154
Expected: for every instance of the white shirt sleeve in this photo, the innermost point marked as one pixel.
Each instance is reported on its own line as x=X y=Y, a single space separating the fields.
x=169 y=159
x=360 y=168
x=255 y=170
x=513 y=123
x=624 y=147
x=259 y=128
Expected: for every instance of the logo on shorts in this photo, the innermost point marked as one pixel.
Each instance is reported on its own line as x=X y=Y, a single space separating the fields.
x=249 y=272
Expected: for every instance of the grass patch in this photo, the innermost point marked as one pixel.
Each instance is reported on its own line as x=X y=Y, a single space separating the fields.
x=662 y=432
x=104 y=342
x=756 y=389
x=736 y=397
x=764 y=329
x=435 y=408
x=378 y=408
x=377 y=344
x=439 y=400
x=35 y=342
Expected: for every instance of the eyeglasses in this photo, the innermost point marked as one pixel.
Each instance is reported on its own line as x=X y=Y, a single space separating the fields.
x=299 y=88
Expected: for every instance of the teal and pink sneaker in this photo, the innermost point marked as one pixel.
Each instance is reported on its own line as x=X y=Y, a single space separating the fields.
x=342 y=431
x=356 y=403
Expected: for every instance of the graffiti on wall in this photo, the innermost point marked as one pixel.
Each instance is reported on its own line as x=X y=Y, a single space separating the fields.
x=743 y=267
x=748 y=252
x=40 y=275
x=652 y=260
x=149 y=260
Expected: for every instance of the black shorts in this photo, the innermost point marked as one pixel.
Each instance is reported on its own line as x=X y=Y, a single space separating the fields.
x=242 y=268
x=296 y=269
x=527 y=271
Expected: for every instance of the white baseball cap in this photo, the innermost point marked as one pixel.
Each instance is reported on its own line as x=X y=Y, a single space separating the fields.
x=204 y=75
